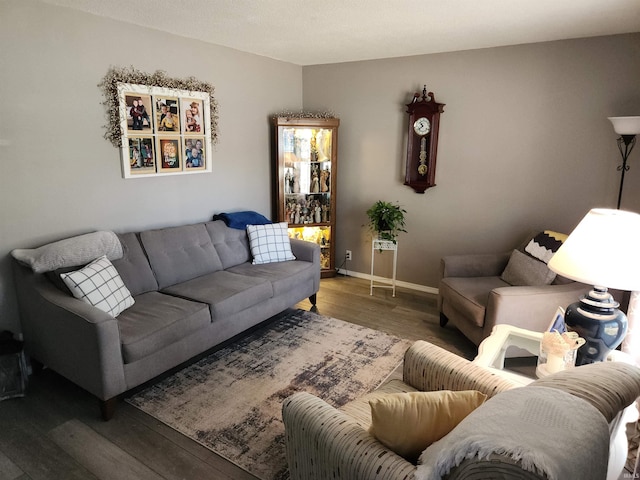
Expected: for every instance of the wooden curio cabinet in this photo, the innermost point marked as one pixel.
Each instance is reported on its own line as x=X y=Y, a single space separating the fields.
x=306 y=167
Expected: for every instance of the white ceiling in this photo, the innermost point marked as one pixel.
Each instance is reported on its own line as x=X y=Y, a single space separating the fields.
x=307 y=32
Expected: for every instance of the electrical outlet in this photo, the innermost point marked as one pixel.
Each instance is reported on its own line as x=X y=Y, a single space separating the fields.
x=347 y=255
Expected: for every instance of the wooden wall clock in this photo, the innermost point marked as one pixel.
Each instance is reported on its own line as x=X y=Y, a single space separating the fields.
x=422 y=143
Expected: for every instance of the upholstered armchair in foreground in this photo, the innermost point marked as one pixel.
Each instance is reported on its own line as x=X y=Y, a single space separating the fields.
x=562 y=426
x=477 y=292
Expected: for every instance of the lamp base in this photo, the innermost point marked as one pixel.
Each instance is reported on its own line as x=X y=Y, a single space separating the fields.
x=596 y=318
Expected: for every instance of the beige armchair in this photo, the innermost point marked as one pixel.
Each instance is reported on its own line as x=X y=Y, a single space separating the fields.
x=473 y=297
x=323 y=442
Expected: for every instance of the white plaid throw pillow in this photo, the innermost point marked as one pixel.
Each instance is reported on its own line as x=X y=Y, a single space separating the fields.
x=269 y=243
x=100 y=285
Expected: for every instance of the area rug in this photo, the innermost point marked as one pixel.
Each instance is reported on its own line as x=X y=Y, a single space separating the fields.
x=231 y=401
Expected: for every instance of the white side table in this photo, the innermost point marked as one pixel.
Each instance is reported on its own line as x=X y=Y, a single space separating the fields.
x=383 y=245
x=492 y=350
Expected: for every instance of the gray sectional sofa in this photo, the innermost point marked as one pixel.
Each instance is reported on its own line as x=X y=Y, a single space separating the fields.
x=194 y=287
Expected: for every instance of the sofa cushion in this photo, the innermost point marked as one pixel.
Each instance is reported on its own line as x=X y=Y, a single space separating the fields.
x=470 y=295
x=407 y=423
x=157 y=321
x=285 y=276
x=608 y=386
x=177 y=254
x=133 y=267
x=525 y=270
x=100 y=285
x=270 y=243
x=56 y=278
x=232 y=245
x=225 y=292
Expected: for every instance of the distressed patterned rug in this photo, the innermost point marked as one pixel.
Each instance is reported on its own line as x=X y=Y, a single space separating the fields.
x=230 y=401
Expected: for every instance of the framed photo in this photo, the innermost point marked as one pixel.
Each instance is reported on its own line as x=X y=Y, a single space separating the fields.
x=167 y=113
x=138 y=108
x=164 y=131
x=191 y=119
x=170 y=154
x=141 y=155
x=194 y=153
x=557 y=322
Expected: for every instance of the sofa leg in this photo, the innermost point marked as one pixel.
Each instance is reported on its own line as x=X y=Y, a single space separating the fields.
x=108 y=408
x=443 y=319
x=313 y=298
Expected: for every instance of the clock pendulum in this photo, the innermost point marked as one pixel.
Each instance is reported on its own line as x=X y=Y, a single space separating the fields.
x=422 y=168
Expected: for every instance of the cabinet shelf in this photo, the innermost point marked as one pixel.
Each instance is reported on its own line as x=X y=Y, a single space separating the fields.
x=306 y=166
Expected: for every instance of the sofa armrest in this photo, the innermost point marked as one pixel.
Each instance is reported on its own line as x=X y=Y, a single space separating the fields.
x=530 y=307
x=306 y=251
x=323 y=442
x=73 y=338
x=480 y=265
x=428 y=367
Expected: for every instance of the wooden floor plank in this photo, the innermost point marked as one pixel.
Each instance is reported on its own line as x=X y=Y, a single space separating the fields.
x=28 y=447
x=154 y=443
x=8 y=469
x=410 y=314
x=98 y=455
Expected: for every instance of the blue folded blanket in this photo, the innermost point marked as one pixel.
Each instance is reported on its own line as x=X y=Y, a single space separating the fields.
x=240 y=220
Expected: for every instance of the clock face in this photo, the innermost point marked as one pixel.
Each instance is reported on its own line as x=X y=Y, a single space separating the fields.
x=422 y=126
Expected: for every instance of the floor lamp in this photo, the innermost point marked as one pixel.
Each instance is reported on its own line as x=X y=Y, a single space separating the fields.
x=604 y=251
x=627 y=128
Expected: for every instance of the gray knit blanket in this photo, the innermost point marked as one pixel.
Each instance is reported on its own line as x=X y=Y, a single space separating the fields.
x=71 y=252
x=548 y=431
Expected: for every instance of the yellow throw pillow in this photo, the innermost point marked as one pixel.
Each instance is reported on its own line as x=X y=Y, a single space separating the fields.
x=407 y=423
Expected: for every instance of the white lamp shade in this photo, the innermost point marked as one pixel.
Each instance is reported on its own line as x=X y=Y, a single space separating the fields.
x=626 y=125
x=603 y=250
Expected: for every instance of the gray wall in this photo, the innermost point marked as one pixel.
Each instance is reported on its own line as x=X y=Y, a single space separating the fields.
x=524 y=139
x=524 y=144
x=60 y=177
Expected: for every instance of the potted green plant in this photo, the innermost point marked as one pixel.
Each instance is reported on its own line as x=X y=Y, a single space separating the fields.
x=386 y=220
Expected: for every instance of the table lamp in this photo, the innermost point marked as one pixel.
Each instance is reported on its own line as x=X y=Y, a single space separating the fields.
x=604 y=251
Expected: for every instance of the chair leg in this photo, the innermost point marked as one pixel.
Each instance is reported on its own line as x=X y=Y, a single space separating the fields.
x=443 y=319
x=108 y=408
x=313 y=298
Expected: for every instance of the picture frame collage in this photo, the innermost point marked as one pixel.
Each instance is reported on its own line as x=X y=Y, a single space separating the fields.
x=165 y=131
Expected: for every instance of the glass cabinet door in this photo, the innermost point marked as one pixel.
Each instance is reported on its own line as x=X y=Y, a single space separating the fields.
x=306 y=170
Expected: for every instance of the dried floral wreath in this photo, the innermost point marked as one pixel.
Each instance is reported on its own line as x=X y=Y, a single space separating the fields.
x=114 y=76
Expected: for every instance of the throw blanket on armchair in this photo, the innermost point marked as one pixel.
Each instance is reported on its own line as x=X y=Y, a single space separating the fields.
x=532 y=426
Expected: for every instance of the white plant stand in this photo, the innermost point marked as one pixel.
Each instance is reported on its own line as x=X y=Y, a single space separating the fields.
x=383 y=245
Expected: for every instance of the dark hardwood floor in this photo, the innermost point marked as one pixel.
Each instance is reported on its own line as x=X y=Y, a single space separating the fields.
x=55 y=432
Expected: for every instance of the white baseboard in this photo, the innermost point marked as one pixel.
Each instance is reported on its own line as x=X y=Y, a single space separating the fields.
x=399 y=283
